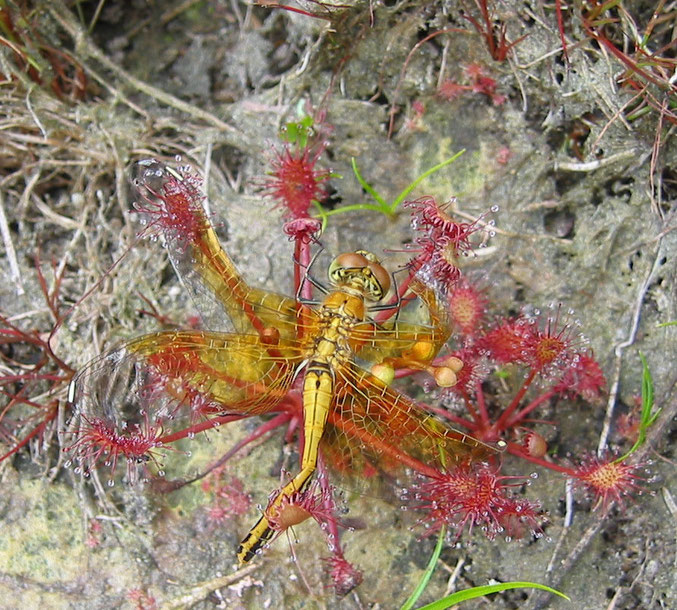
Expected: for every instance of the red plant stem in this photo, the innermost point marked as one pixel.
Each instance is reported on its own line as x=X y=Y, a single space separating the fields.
x=302 y=261
x=201 y=427
x=399 y=300
x=482 y=404
x=35 y=377
x=16 y=335
x=293 y=9
x=331 y=532
x=294 y=408
x=39 y=429
x=459 y=421
x=625 y=59
x=471 y=409
x=258 y=433
x=518 y=451
x=400 y=373
x=560 y=27
x=501 y=423
x=16 y=399
x=535 y=403
x=297 y=270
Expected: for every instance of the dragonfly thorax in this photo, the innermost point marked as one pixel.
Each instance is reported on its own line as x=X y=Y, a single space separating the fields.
x=360 y=273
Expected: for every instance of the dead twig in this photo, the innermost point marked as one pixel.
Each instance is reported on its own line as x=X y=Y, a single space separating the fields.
x=619 y=349
x=87 y=49
x=201 y=591
x=10 y=252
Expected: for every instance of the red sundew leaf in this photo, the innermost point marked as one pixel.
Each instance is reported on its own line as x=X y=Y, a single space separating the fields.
x=295 y=182
x=583 y=377
x=344 y=575
x=608 y=480
x=475 y=495
x=507 y=342
x=467 y=307
x=171 y=202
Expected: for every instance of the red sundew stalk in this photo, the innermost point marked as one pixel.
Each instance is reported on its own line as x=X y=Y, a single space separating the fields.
x=39 y=429
x=560 y=27
x=332 y=533
x=17 y=399
x=402 y=297
x=51 y=298
x=482 y=405
x=459 y=421
x=625 y=59
x=201 y=427
x=396 y=303
x=501 y=423
x=534 y=404
x=16 y=335
x=35 y=377
x=295 y=412
x=300 y=11
x=301 y=261
x=405 y=372
x=13 y=400
x=258 y=433
x=518 y=451
x=263 y=429
x=471 y=408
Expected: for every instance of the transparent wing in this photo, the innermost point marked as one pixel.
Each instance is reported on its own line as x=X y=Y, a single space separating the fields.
x=374 y=429
x=383 y=338
x=172 y=205
x=142 y=395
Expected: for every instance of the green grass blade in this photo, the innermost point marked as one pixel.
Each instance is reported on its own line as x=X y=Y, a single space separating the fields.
x=648 y=416
x=475 y=592
x=400 y=198
x=367 y=187
x=423 y=583
x=323 y=215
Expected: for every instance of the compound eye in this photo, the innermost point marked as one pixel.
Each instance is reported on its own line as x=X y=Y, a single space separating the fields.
x=382 y=277
x=349 y=260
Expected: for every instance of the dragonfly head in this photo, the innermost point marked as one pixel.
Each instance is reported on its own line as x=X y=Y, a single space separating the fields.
x=362 y=272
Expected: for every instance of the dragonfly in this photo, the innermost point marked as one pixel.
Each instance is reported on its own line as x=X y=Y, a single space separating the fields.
x=133 y=401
